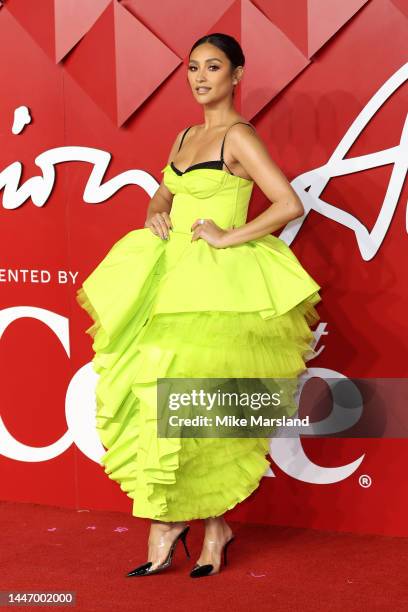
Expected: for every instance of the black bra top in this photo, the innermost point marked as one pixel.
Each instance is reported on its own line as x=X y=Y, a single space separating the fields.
x=216 y=164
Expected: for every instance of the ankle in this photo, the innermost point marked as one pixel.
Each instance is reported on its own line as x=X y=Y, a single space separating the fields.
x=216 y=527
x=165 y=526
x=215 y=521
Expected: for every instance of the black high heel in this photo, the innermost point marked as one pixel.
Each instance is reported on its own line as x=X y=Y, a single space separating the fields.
x=206 y=570
x=144 y=569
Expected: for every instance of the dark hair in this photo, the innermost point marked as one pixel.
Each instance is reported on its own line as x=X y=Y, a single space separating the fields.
x=228 y=44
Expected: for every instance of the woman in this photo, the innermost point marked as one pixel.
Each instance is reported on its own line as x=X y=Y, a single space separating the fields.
x=198 y=292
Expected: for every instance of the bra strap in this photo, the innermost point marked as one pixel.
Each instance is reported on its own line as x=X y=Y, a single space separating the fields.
x=181 y=142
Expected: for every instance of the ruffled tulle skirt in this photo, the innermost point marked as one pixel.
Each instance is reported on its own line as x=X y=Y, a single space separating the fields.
x=135 y=342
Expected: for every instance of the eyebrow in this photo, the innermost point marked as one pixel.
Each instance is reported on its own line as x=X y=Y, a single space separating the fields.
x=210 y=59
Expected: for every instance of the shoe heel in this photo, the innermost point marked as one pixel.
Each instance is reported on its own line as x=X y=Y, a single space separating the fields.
x=183 y=537
x=225 y=549
x=144 y=569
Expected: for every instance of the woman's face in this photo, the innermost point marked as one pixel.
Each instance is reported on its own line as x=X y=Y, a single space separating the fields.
x=209 y=74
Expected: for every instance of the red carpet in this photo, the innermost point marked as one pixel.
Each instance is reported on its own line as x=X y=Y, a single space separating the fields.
x=269 y=568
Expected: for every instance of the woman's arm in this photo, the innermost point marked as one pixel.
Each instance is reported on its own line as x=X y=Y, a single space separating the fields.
x=157 y=216
x=249 y=150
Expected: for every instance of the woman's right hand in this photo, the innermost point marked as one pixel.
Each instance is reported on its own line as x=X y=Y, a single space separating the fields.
x=159 y=224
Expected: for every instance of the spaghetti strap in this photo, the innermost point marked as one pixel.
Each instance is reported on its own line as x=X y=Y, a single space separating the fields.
x=181 y=142
x=222 y=146
x=223 y=142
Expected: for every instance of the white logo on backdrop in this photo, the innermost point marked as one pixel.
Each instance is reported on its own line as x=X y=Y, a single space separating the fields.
x=22 y=118
x=308 y=185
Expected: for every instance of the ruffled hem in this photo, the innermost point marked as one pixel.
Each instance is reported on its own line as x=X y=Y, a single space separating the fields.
x=179 y=478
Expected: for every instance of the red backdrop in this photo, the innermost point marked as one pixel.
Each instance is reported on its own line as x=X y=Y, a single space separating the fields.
x=325 y=86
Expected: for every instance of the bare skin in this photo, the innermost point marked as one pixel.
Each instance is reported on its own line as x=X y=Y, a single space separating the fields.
x=217 y=533
x=163 y=534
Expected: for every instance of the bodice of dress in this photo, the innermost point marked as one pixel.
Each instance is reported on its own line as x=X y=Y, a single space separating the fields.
x=206 y=190
x=208 y=193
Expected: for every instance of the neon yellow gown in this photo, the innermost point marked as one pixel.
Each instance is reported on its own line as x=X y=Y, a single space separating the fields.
x=176 y=308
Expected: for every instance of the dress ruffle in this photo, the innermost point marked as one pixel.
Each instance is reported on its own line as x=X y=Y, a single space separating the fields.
x=149 y=322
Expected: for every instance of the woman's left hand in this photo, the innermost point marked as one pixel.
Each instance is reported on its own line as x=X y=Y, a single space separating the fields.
x=209 y=231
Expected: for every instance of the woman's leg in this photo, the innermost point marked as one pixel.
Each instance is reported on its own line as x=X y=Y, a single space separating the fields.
x=162 y=535
x=217 y=533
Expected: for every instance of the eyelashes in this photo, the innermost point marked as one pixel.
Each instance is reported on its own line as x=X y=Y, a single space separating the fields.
x=211 y=66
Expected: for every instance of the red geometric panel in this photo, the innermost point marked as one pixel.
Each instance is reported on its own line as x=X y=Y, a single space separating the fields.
x=37 y=18
x=309 y=23
x=326 y=18
x=73 y=18
x=178 y=23
x=273 y=60
x=119 y=63
x=402 y=5
x=143 y=62
x=291 y=18
x=56 y=25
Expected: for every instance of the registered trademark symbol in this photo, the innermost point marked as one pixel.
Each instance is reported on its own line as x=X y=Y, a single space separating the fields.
x=365 y=481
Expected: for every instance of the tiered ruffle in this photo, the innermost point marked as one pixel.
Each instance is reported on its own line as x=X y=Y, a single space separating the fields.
x=136 y=341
